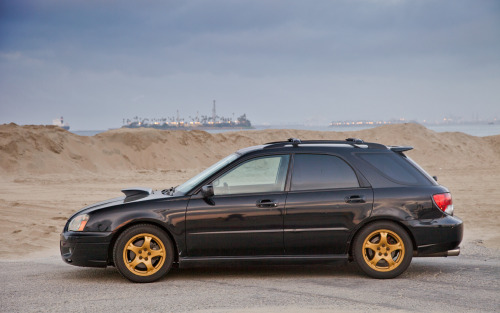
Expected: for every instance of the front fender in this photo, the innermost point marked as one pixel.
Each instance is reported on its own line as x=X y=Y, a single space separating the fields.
x=169 y=214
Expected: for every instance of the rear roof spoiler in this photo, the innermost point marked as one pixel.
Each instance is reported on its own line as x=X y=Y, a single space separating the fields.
x=400 y=148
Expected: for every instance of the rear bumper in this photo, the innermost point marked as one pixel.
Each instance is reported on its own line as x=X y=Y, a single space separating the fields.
x=437 y=237
x=88 y=249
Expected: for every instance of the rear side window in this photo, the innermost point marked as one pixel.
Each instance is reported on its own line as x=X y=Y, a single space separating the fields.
x=316 y=171
x=395 y=167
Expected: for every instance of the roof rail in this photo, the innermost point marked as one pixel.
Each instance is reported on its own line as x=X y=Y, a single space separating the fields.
x=294 y=141
x=355 y=142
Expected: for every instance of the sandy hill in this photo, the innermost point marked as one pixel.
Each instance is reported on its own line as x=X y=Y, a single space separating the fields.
x=50 y=149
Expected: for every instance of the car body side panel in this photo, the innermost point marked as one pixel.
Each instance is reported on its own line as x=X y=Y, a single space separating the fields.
x=319 y=222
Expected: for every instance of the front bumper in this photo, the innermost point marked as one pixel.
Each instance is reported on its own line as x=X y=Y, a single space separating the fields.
x=88 y=249
x=437 y=235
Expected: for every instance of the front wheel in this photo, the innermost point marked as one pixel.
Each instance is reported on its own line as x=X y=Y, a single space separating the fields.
x=383 y=250
x=143 y=253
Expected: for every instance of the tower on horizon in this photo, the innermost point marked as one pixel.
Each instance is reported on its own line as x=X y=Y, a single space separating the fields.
x=214 y=113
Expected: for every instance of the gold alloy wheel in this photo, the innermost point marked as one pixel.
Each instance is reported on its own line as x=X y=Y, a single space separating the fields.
x=144 y=254
x=383 y=250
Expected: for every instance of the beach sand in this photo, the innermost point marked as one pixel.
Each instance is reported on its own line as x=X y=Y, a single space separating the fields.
x=47 y=173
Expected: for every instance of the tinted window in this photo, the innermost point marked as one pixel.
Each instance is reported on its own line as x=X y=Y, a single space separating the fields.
x=395 y=167
x=264 y=174
x=314 y=171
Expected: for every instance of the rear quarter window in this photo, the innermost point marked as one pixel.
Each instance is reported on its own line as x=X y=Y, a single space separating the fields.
x=395 y=167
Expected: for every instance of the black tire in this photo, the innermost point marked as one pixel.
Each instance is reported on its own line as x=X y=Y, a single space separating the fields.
x=373 y=254
x=139 y=261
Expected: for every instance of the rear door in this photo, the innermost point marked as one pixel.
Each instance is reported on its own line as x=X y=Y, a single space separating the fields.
x=324 y=204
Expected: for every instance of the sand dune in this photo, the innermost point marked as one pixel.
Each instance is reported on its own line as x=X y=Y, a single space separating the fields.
x=49 y=149
x=47 y=173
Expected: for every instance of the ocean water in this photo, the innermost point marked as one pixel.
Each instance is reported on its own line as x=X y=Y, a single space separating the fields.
x=479 y=130
x=86 y=132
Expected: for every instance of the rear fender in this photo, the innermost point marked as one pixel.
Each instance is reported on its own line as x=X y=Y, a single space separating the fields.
x=388 y=218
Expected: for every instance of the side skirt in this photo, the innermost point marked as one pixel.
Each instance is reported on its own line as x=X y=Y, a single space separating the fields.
x=259 y=260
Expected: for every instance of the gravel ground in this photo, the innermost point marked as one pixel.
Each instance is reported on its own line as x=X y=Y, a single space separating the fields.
x=467 y=283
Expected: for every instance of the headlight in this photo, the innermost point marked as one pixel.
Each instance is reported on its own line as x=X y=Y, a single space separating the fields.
x=78 y=223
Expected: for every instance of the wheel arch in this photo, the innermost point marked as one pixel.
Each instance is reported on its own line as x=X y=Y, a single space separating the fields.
x=364 y=224
x=120 y=230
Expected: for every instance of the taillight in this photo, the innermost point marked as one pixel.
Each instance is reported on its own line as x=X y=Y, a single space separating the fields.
x=444 y=202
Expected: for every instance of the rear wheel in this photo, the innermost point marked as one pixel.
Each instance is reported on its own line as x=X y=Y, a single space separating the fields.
x=383 y=250
x=143 y=253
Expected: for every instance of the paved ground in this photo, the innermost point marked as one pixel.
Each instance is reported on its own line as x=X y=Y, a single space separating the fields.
x=468 y=283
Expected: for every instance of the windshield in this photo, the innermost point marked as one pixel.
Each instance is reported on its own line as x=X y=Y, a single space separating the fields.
x=190 y=184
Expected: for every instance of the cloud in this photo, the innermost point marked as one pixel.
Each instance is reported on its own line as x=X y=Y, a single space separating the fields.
x=285 y=57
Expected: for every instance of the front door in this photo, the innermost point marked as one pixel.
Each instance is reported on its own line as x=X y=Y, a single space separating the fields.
x=245 y=215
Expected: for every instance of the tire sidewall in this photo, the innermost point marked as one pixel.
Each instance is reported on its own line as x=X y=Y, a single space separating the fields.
x=125 y=237
x=358 y=249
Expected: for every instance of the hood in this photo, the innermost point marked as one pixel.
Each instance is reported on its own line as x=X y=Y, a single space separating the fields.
x=135 y=194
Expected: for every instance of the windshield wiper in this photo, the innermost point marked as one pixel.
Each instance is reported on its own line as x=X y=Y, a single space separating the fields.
x=170 y=191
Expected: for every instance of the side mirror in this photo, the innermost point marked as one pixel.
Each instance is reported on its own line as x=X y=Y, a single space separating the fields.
x=207 y=191
x=435 y=178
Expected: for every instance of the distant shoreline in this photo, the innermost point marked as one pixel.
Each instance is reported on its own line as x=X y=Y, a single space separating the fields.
x=479 y=130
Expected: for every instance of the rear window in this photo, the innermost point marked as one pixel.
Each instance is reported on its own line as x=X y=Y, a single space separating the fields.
x=317 y=171
x=395 y=167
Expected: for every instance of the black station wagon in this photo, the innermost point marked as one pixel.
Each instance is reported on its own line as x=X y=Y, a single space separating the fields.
x=281 y=201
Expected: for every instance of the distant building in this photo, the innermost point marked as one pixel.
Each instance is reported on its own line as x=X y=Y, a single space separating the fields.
x=60 y=122
x=204 y=122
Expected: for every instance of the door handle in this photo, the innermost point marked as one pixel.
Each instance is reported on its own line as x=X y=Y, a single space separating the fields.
x=355 y=199
x=266 y=204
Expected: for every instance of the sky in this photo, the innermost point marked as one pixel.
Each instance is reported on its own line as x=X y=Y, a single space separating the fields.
x=280 y=62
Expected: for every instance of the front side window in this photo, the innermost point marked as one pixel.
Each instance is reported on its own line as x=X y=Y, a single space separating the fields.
x=317 y=171
x=191 y=183
x=263 y=174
